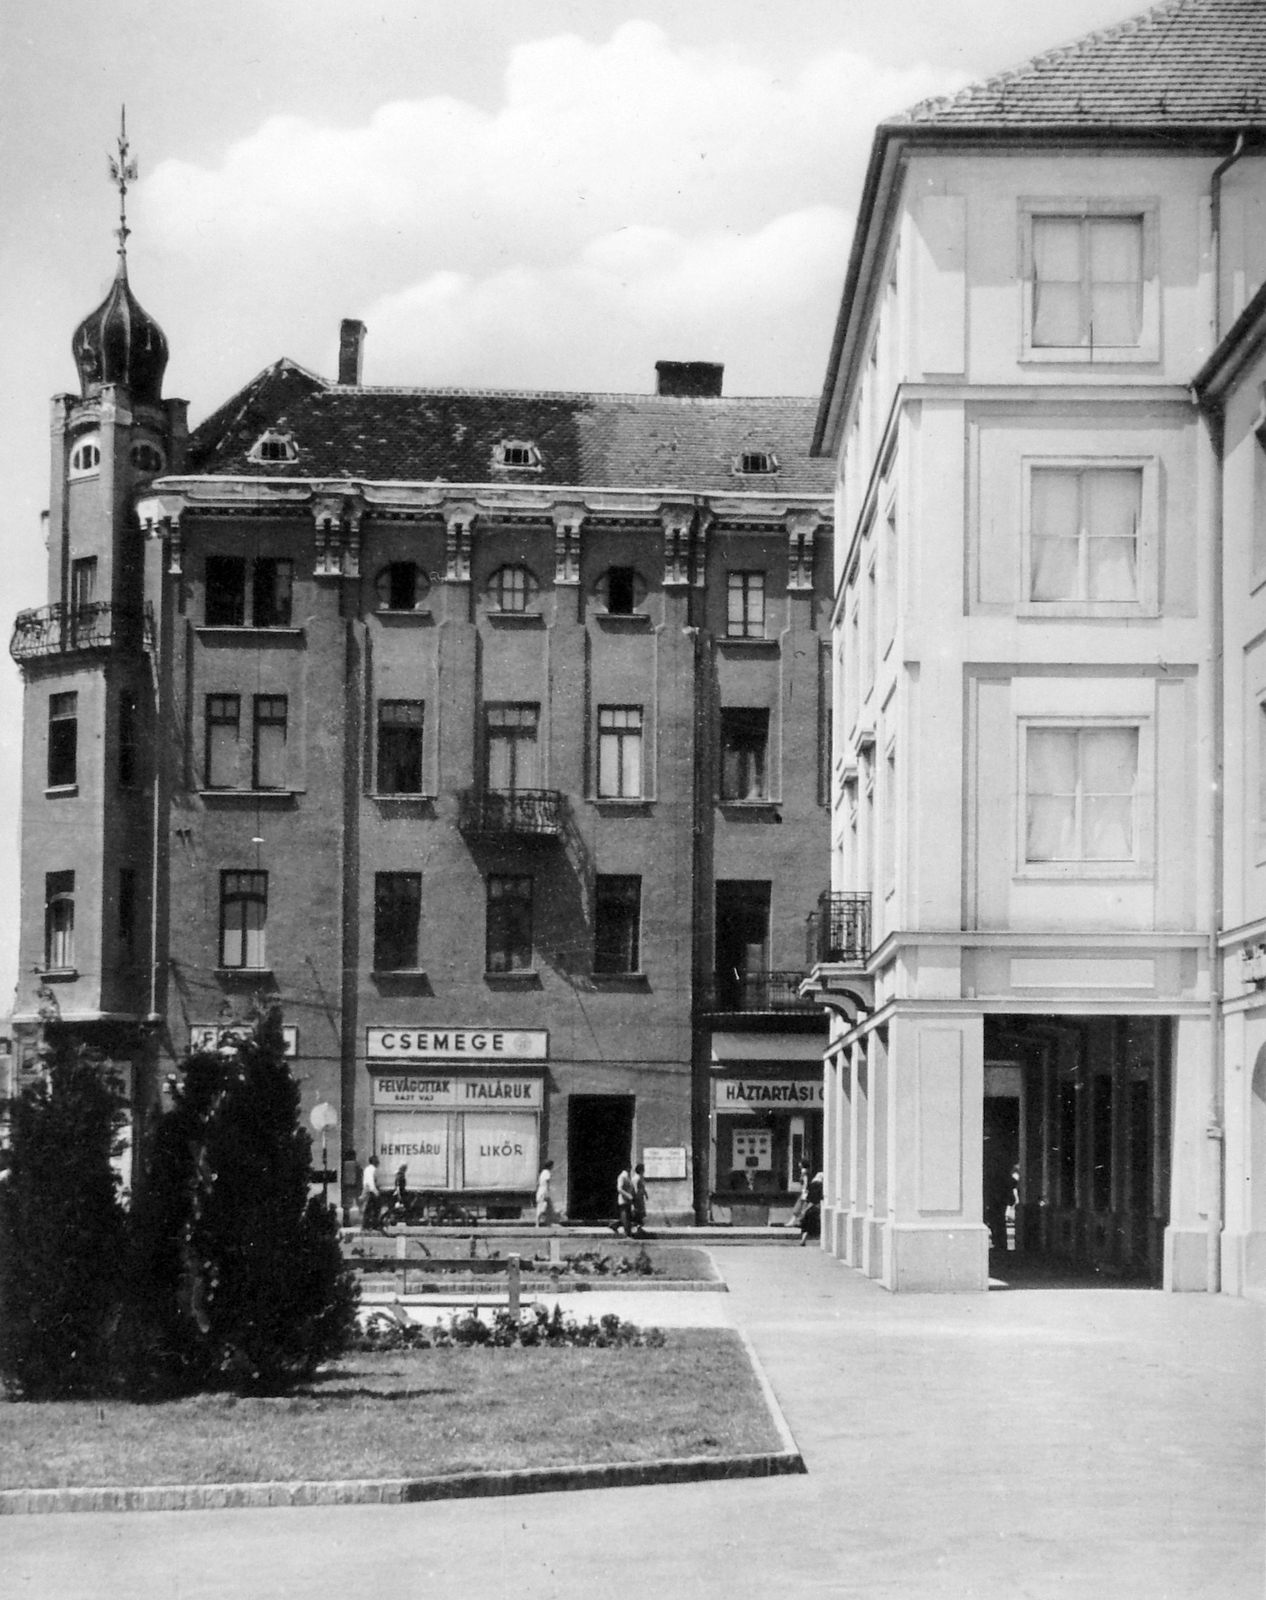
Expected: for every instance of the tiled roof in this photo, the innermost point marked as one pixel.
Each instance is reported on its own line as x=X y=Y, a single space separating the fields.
x=1183 y=64
x=449 y=435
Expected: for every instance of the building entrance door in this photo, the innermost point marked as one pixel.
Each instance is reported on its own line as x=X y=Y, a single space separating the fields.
x=599 y=1144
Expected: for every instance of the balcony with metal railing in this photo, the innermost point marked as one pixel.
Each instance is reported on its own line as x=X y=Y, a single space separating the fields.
x=759 y=993
x=839 y=931
x=61 y=630
x=512 y=813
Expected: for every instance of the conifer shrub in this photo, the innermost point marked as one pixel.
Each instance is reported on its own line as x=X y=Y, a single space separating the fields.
x=62 y=1230
x=236 y=1281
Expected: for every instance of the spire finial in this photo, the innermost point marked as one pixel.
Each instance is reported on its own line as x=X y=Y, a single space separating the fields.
x=122 y=172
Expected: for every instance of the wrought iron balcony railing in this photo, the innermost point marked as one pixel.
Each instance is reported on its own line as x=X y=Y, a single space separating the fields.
x=758 y=991
x=64 y=630
x=514 y=813
x=839 y=931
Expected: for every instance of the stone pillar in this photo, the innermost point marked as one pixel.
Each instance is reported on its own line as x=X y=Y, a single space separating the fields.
x=858 y=1156
x=1192 y=1172
x=935 y=1085
x=830 y=1160
x=878 y=1233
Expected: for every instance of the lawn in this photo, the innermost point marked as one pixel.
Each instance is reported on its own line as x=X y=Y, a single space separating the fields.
x=410 y=1414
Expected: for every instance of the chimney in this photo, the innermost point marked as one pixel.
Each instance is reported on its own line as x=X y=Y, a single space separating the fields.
x=351 y=350
x=701 y=379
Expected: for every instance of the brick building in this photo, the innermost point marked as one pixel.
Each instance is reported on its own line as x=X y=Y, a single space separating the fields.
x=487 y=730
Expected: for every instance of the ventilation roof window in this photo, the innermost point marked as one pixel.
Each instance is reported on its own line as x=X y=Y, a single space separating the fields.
x=756 y=463
x=521 y=453
x=273 y=446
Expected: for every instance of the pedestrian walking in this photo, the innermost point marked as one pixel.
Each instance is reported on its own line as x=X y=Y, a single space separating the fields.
x=802 y=1199
x=811 y=1216
x=639 y=1200
x=370 y=1201
x=625 y=1195
x=544 y=1205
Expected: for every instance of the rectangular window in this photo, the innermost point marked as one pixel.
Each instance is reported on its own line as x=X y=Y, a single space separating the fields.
x=83 y=583
x=271 y=587
x=129 y=746
x=1087 y=281
x=619 y=752
x=621 y=591
x=509 y=924
x=1080 y=794
x=745 y=602
x=268 y=757
x=744 y=747
x=127 y=914
x=400 y=724
x=59 y=921
x=617 y=917
x=742 y=943
x=243 y=916
x=1084 y=533
x=223 y=719
x=397 y=916
x=63 y=740
x=512 y=748
x=225 y=592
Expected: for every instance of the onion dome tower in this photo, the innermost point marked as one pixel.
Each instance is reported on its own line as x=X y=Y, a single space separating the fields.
x=120 y=342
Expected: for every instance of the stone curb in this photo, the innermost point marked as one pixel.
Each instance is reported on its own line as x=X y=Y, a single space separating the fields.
x=402 y=1491
x=536 y=1286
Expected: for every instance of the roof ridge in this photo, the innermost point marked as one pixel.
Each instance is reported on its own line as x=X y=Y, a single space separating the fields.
x=460 y=392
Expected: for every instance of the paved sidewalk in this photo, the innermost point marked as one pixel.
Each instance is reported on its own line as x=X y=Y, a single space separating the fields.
x=1025 y=1445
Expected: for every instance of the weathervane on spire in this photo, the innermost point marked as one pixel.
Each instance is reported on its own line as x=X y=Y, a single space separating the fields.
x=122 y=172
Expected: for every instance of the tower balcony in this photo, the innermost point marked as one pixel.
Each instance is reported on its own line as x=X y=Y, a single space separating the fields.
x=837 y=953
x=62 y=630
x=511 y=814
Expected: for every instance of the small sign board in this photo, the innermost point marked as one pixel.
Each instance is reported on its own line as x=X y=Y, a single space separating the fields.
x=664 y=1161
x=754 y=1151
x=460 y=1044
x=207 y=1035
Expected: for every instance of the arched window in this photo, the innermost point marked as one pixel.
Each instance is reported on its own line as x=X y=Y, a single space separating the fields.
x=273 y=446
x=512 y=588
x=621 y=590
x=147 y=457
x=59 y=921
x=756 y=463
x=86 y=456
x=401 y=586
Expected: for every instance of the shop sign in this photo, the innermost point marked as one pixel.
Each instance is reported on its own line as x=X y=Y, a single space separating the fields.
x=418 y=1143
x=668 y=1161
x=500 y=1152
x=207 y=1035
x=768 y=1094
x=441 y=1044
x=445 y=1093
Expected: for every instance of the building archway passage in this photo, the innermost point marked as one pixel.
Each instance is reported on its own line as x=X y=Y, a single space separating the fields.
x=599 y=1145
x=1079 y=1110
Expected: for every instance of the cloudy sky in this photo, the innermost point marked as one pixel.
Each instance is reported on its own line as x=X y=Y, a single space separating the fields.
x=524 y=193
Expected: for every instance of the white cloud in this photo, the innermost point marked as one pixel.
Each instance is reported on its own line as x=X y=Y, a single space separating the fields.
x=624 y=196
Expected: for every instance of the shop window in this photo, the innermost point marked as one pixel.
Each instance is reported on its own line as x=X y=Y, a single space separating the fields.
x=617 y=921
x=268 y=745
x=509 y=924
x=59 y=921
x=512 y=589
x=397 y=915
x=621 y=591
x=129 y=746
x=742 y=943
x=400 y=586
x=619 y=752
x=744 y=754
x=745 y=602
x=400 y=726
x=127 y=914
x=1080 y=794
x=512 y=749
x=225 y=592
x=243 y=919
x=272 y=585
x=223 y=735
x=1084 y=534
x=63 y=740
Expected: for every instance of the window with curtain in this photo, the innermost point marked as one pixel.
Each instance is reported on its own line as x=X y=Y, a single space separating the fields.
x=400 y=724
x=509 y=924
x=744 y=751
x=243 y=916
x=1080 y=788
x=269 y=755
x=59 y=921
x=272 y=585
x=1087 y=281
x=1084 y=533
x=512 y=748
x=619 y=752
x=512 y=588
x=745 y=605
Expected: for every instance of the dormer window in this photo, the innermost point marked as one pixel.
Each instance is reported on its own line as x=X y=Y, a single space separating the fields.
x=146 y=457
x=401 y=586
x=756 y=463
x=86 y=457
x=512 y=588
x=516 y=453
x=273 y=446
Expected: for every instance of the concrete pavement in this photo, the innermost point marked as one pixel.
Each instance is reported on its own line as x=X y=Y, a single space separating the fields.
x=1026 y=1444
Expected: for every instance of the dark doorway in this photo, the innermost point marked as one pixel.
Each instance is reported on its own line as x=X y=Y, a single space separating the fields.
x=599 y=1144
x=1000 y=1167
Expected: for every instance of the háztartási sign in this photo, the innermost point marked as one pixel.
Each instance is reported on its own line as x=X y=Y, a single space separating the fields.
x=467 y=1044
x=769 y=1094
